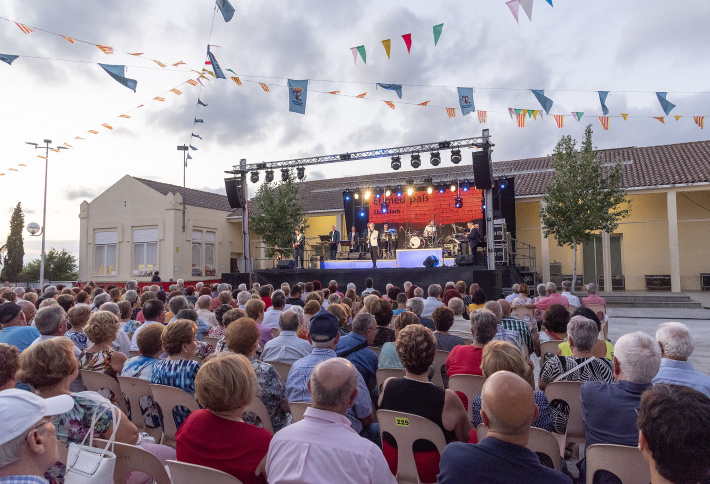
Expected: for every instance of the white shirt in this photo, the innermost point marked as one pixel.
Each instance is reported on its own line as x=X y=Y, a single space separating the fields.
x=373 y=236
x=429 y=230
x=208 y=316
x=271 y=318
x=510 y=297
x=134 y=340
x=287 y=347
x=122 y=343
x=45 y=337
x=462 y=329
x=323 y=448
x=573 y=300
x=430 y=304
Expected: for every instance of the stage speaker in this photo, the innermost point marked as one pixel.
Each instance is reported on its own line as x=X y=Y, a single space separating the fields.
x=235 y=192
x=341 y=256
x=482 y=171
x=286 y=264
x=464 y=260
x=354 y=255
x=431 y=261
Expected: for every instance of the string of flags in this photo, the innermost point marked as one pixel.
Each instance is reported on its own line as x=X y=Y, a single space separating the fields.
x=387 y=44
x=514 y=6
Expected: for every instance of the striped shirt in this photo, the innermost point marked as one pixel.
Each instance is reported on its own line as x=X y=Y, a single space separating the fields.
x=511 y=337
x=521 y=327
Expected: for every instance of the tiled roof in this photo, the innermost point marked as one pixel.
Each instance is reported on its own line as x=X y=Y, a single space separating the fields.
x=193 y=198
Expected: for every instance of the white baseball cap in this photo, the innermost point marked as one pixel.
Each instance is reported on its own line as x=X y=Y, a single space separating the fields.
x=21 y=410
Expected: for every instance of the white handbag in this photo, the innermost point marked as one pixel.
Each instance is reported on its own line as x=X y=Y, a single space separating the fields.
x=87 y=464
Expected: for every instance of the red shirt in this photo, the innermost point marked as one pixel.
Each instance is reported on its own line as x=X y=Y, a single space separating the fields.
x=464 y=359
x=232 y=447
x=554 y=298
x=267 y=301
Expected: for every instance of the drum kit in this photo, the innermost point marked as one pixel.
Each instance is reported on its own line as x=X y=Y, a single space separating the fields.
x=450 y=244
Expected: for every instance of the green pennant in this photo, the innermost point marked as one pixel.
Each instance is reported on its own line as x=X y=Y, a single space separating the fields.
x=530 y=111
x=437 y=33
x=518 y=111
x=230 y=70
x=361 y=50
x=579 y=115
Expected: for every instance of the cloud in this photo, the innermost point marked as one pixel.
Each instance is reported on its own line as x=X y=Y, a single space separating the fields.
x=86 y=192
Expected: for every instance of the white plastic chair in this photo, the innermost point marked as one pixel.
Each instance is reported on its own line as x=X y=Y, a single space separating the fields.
x=184 y=473
x=626 y=462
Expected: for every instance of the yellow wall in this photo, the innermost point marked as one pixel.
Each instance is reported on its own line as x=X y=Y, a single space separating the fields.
x=527 y=222
x=693 y=237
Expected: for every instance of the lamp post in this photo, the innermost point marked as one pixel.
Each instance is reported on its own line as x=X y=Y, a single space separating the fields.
x=33 y=228
x=183 y=148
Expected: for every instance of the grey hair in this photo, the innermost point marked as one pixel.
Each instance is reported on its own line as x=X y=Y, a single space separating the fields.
x=515 y=288
x=351 y=286
x=288 y=321
x=433 y=290
x=363 y=321
x=299 y=312
x=204 y=301
x=20 y=291
x=419 y=292
x=495 y=308
x=456 y=305
x=484 y=325
x=416 y=305
x=50 y=289
x=567 y=286
x=387 y=287
x=11 y=451
x=222 y=287
x=335 y=394
x=131 y=296
x=180 y=282
x=541 y=290
x=407 y=285
x=241 y=287
x=48 y=319
x=583 y=332
x=201 y=284
x=50 y=301
x=111 y=307
x=551 y=287
x=677 y=341
x=639 y=357
x=243 y=297
x=333 y=281
x=131 y=285
x=101 y=299
x=177 y=303
x=592 y=288
x=334 y=298
x=172 y=287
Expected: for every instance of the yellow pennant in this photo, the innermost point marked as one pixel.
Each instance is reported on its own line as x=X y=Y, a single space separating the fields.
x=137 y=53
x=264 y=87
x=525 y=112
x=158 y=62
x=106 y=49
x=107 y=126
x=21 y=164
x=176 y=91
x=390 y=104
x=677 y=117
x=387 y=44
x=12 y=169
x=535 y=113
x=361 y=95
x=424 y=103
x=178 y=63
x=236 y=80
x=625 y=116
x=93 y=131
x=78 y=137
x=124 y=116
x=192 y=82
x=69 y=39
x=202 y=76
x=158 y=98
x=209 y=72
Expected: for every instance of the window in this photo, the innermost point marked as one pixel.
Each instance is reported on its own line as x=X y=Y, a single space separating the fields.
x=196 y=252
x=145 y=251
x=210 y=269
x=105 y=250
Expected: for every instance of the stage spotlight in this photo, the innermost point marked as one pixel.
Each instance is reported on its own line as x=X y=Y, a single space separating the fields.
x=458 y=203
x=347 y=195
x=385 y=207
x=442 y=187
x=300 y=172
x=388 y=192
x=453 y=187
x=254 y=176
x=269 y=176
x=357 y=196
x=416 y=161
x=284 y=174
x=465 y=186
x=396 y=163
x=435 y=159
x=429 y=189
x=456 y=157
x=362 y=213
x=410 y=190
x=502 y=183
x=399 y=192
x=367 y=195
x=378 y=193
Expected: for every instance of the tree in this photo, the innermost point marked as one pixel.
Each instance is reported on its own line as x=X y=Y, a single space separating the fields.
x=583 y=197
x=12 y=262
x=58 y=266
x=279 y=210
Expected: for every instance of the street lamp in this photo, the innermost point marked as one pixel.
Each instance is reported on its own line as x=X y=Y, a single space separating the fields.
x=183 y=148
x=34 y=228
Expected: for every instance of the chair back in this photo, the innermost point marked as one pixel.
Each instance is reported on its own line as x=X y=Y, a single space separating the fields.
x=184 y=473
x=385 y=373
x=257 y=406
x=439 y=361
x=520 y=313
x=469 y=385
x=376 y=349
x=210 y=341
x=549 y=347
x=298 y=409
x=168 y=398
x=281 y=368
x=539 y=441
x=95 y=381
x=570 y=392
x=572 y=308
x=626 y=462
x=133 y=458
x=134 y=389
x=406 y=428
x=598 y=310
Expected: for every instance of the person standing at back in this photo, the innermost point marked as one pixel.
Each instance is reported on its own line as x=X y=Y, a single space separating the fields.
x=372 y=238
x=335 y=240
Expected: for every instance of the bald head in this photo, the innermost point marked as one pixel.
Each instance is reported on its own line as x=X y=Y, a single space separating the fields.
x=288 y=320
x=508 y=407
x=204 y=302
x=505 y=307
x=333 y=385
x=495 y=308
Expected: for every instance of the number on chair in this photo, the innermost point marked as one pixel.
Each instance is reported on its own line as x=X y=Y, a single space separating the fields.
x=401 y=421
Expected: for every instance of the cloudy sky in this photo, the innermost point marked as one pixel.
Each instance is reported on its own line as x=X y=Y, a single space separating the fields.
x=630 y=48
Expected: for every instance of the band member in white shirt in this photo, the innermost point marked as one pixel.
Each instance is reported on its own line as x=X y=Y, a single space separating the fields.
x=430 y=230
x=372 y=237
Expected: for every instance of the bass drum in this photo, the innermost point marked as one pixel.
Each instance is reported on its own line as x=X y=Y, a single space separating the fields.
x=416 y=242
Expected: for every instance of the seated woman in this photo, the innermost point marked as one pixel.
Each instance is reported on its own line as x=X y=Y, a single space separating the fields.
x=601 y=348
x=128 y=325
x=388 y=354
x=478 y=299
x=178 y=369
x=101 y=331
x=243 y=338
x=416 y=347
x=554 y=323
x=581 y=366
x=228 y=318
x=150 y=347
x=309 y=310
x=219 y=312
x=9 y=364
x=49 y=367
x=204 y=349
x=342 y=316
x=466 y=359
x=217 y=435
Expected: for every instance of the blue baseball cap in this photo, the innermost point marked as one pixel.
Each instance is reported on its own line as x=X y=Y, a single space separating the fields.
x=324 y=326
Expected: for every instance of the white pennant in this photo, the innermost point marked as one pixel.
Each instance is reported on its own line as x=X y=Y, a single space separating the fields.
x=527 y=6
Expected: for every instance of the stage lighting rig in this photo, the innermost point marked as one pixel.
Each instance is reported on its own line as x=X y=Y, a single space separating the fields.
x=347 y=195
x=416 y=160
x=385 y=208
x=269 y=176
x=453 y=187
x=396 y=163
x=367 y=194
x=399 y=192
x=456 y=157
x=465 y=186
x=410 y=190
x=435 y=159
x=378 y=193
x=442 y=187
x=300 y=172
x=458 y=202
x=356 y=196
x=255 y=177
x=388 y=192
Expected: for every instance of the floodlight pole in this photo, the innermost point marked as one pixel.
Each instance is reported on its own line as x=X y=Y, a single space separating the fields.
x=183 y=148
x=246 y=241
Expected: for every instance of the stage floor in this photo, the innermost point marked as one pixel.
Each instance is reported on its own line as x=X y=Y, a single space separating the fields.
x=367 y=264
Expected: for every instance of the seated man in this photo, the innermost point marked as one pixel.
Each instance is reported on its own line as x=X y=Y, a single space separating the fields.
x=507 y=409
x=677 y=345
x=567 y=292
x=552 y=298
x=287 y=347
x=323 y=447
x=354 y=347
x=416 y=306
x=432 y=302
x=461 y=326
x=505 y=334
x=514 y=324
x=593 y=298
x=15 y=331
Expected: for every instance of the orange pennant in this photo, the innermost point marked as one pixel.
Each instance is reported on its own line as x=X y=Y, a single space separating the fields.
x=660 y=118
x=106 y=49
x=54 y=149
x=176 y=91
x=21 y=164
x=12 y=169
x=159 y=63
x=43 y=157
x=264 y=87
x=137 y=53
x=334 y=92
x=24 y=28
x=192 y=82
x=700 y=121
x=69 y=39
x=390 y=104
x=451 y=112
x=361 y=95
x=604 y=120
x=236 y=80
x=93 y=131
x=424 y=103
x=107 y=126
x=179 y=63
x=78 y=137
x=67 y=144
x=482 y=116
x=124 y=116
x=158 y=98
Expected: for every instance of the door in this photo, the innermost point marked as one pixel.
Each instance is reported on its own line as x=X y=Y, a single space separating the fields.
x=593 y=258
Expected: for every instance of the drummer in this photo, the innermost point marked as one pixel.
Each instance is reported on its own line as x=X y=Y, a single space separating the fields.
x=430 y=230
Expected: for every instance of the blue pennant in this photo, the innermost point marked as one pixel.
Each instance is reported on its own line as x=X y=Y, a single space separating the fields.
x=118 y=73
x=8 y=58
x=665 y=104
x=392 y=87
x=544 y=101
x=217 y=69
x=196 y=135
x=193 y=148
x=198 y=120
x=201 y=103
x=466 y=100
x=602 y=99
x=226 y=8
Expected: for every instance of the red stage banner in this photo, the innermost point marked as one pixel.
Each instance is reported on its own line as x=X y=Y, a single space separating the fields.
x=420 y=207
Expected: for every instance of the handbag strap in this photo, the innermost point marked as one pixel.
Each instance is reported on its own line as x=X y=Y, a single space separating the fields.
x=576 y=367
x=116 y=421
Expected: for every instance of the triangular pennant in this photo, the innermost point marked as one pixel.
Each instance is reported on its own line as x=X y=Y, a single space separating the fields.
x=550 y=2
x=520 y=118
x=700 y=121
x=387 y=44
x=354 y=51
x=107 y=126
x=21 y=164
x=392 y=87
x=12 y=169
x=56 y=150
x=514 y=6
x=179 y=63
x=93 y=131
x=511 y=112
x=525 y=111
x=390 y=104
x=198 y=120
x=560 y=120
x=67 y=144
x=230 y=70
x=176 y=91
x=215 y=65
x=578 y=115
x=660 y=118
x=665 y=104
x=518 y=111
x=117 y=72
x=437 y=33
x=106 y=49
x=361 y=50
x=527 y=7
x=408 y=42
x=193 y=148
x=604 y=120
x=482 y=116
x=198 y=80
x=158 y=98
x=226 y=9
x=192 y=82
x=677 y=117
x=196 y=136
x=24 y=28
x=236 y=80
x=209 y=72
x=424 y=103
x=78 y=137
x=264 y=87
x=361 y=95
x=451 y=112
x=124 y=116
x=200 y=103
x=43 y=157
x=189 y=157
x=625 y=116
x=159 y=63
x=544 y=101
x=69 y=39
x=535 y=113
x=8 y=58
x=602 y=100
x=334 y=92
x=530 y=112
x=137 y=53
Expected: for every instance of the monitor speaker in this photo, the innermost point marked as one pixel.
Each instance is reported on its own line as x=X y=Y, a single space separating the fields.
x=354 y=255
x=286 y=264
x=464 y=260
x=482 y=171
x=341 y=256
x=235 y=192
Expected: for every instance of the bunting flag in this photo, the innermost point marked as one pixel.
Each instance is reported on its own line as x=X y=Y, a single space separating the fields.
x=217 y=69
x=700 y=121
x=178 y=63
x=527 y=7
x=361 y=51
x=524 y=111
x=602 y=99
x=196 y=136
x=665 y=104
x=408 y=42
x=176 y=91
x=466 y=100
x=159 y=63
x=360 y=96
x=514 y=6
x=387 y=44
x=78 y=137
x=521 y=119
x=12 y=169
x=334 y=92
x=451 y=112
x=550 y=2
x=106 y=49
x=264 y=87
x=209 y=72
x=56 y=150
x=660 y=118
x=424 y=103
x=198 y=80
x=189 y=157
x=158 y=98
x=230 y=70
x=625 y=116
x=226 y=9
x=437 y=33
x=236 y=80
x=198 y=120
x=192 y=82
x=511 y=112
x=8 y=58
x=544 y=101
x=559 y=119
x=107 y=126
x=604 y=120
x=390 y=104
x=578 y=115
x=68 y=145
x=482 y=116
x=124 y=116
x=392 y=87
x=136 y=53
x=118 y=74
x=193 y=148
x=43 y=157
x=92 y=131
x=677 y=117
x=297 y=95
x=24 y=28
x=69 y=39
x=354 y=51
x=535 y=113
x=200 y=103
x=21 y=164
